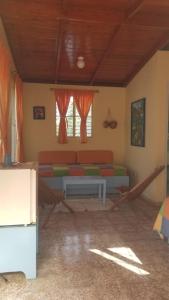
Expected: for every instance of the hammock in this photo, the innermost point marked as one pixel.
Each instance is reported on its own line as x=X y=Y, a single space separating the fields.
x=138 y=189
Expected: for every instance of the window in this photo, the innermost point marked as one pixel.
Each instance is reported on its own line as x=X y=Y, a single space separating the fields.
x=73 y=120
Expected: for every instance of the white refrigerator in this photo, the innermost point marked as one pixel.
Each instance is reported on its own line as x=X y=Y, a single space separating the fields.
x=18 y=219
x=17 y=196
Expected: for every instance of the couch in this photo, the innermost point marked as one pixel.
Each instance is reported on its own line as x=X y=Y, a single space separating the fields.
x=54 y=165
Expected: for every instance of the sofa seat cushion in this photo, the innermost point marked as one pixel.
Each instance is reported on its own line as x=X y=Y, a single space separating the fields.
x=94 y=156
x=81 y=170
x=46 y=170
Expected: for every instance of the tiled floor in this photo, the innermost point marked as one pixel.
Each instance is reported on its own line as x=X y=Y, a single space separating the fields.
x=97 y=255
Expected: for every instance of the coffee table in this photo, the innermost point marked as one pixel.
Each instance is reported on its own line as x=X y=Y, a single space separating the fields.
x=86 y=180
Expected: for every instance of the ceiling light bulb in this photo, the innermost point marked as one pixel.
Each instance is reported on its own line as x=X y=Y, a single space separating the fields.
x=80 y=62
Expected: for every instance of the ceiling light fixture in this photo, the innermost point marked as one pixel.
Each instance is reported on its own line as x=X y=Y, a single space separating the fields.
x=80 y=62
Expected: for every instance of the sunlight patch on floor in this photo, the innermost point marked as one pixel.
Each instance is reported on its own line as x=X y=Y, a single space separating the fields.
x=126 y=252
x=120 y=262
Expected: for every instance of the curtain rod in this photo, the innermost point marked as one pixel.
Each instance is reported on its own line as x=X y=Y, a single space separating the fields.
x=95 y=91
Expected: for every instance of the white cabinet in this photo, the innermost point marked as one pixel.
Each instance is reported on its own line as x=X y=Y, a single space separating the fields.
x=18 y=207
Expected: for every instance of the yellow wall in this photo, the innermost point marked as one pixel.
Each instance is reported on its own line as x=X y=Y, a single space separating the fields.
x=40 y=134
x=150 y=82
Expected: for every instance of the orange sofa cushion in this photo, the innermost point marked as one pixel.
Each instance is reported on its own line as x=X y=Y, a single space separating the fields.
x=58 y=157
x=94 y=156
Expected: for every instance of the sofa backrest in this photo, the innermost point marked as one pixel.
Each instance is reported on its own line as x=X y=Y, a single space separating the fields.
x=58 y=157
x=94 y=156
x=73 y=157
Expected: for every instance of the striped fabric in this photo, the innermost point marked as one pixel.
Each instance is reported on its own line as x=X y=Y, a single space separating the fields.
x=82 y=170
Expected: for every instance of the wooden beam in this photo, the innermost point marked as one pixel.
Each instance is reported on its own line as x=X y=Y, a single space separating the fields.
x=59 y=42
x=134 y=9
x=95 y=91
x=96 y=15
x=130 y=14
x=104 y=54
x=58 y=50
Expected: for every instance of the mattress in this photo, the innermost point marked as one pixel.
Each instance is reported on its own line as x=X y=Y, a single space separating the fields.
x=58 y=170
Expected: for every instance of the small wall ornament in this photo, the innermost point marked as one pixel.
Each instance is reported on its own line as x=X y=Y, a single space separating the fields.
x=109 y=122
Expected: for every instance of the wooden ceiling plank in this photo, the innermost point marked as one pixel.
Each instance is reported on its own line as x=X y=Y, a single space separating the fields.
x=114 y=18
x=130 y=14
x=100 y=29
x=59 y=11
x=160 y=44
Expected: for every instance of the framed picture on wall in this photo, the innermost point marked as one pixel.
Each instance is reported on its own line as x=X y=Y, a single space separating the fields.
x=39 y=113
x=138 y=123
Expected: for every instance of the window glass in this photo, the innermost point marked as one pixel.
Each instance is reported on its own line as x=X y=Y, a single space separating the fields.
x=73 y=120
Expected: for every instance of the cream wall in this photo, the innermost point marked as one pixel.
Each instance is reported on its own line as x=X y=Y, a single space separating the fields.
x=40 y=134
x=151 y=82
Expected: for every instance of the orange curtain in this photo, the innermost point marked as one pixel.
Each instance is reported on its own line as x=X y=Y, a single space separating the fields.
x=83 y=101
x=4 y=102
x=62 y=99
x=19 y=112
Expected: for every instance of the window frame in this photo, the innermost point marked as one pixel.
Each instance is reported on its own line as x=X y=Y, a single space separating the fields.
x=74 y=122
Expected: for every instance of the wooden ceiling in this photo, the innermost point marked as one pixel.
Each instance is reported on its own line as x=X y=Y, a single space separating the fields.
x=115 y=37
